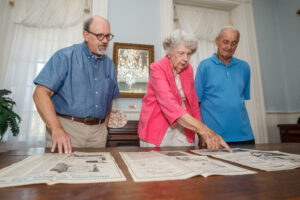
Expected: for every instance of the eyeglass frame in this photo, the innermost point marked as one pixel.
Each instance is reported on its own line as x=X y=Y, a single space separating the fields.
x=101 y=34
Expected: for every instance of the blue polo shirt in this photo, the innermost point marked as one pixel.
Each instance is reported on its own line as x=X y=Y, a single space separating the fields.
x=83 y=85
x=221 y=90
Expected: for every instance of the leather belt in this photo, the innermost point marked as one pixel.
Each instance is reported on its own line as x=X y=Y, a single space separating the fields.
x=87 y=121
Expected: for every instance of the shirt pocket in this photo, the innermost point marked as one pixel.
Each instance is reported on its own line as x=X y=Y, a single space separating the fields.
x=107 y=86
x=106 y=91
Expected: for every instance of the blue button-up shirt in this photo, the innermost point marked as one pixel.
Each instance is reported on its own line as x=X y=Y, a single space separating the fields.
x=83 y=85
x=222 y=91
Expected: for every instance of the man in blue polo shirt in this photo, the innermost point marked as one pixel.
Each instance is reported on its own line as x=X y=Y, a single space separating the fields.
x=75 y=89
x=222 y=84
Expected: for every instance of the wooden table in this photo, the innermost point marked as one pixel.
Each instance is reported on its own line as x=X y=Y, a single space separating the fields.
x=263 y=185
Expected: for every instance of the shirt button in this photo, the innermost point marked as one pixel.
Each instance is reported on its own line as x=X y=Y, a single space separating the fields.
x=96 y=106
x=95 y=66
x=97 y=92
x=96 y=79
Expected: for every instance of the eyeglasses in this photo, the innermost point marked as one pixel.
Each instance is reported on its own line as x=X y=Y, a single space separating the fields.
x=101 y=36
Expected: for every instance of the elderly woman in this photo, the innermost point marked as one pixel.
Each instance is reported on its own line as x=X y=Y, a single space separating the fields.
x=170 y=113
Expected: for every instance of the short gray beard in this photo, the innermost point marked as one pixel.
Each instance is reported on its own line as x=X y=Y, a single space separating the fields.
x=101 y=53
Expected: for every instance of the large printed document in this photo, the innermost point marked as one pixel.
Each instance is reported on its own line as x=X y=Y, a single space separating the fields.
x=77 y=167
x=173 y=165
x=263 y=160
x=209 y=152
x=153 y=166
x=205 y=166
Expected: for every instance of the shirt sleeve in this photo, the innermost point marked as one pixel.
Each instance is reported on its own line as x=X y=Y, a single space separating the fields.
x=114 y=78
x=199 y=82
x=165 y=97
x=247 y=83
x=53 y=73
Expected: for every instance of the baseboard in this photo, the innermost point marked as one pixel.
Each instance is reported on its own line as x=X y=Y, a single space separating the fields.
x=132 y=114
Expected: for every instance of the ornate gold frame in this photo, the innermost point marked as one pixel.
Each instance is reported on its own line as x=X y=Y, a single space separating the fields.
x=143 y=50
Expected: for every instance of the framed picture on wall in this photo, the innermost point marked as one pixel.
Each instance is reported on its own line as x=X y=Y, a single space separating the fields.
x=132 y=63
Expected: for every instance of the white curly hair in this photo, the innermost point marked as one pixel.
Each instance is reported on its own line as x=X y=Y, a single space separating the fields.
x=177 y=37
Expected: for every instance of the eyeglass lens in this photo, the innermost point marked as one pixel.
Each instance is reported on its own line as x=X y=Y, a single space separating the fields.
x=101 y=36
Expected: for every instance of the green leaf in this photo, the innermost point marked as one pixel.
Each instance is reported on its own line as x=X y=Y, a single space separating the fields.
x=8 y=118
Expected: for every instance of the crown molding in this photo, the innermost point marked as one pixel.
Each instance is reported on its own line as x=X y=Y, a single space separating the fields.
x=213 y=4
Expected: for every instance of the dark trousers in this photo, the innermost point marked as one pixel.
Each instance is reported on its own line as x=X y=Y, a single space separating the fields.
x=243 y=142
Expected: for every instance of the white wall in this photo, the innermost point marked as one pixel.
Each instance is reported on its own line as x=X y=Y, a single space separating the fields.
x=278 y=33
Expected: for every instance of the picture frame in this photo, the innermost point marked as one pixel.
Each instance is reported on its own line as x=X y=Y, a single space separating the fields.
x=132 y=63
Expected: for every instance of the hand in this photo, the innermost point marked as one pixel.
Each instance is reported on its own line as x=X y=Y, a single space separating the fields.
x=212 y=139
x=201 y=142
x=106 y=122
x=62 y=140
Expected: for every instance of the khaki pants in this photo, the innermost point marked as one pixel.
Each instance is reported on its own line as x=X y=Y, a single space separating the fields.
x=82 y=135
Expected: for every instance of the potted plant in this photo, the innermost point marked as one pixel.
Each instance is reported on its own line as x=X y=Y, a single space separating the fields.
x=8 y=118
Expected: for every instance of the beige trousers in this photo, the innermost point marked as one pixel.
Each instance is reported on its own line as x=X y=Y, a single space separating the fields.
x=82 y=135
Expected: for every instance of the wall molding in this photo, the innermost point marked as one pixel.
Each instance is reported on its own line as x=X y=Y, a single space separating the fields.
x=213 y=4
x=283 y=112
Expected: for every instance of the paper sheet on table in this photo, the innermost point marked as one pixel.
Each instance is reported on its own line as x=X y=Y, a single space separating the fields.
x=49 y=168
x=264 y=160
x=154 y=166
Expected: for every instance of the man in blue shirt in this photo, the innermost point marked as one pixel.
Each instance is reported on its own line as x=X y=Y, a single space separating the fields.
x=222 y=84
x=75 y=89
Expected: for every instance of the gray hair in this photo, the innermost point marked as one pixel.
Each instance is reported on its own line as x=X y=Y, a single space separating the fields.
x=177 y=37
x=87 y=23
x=226 y=28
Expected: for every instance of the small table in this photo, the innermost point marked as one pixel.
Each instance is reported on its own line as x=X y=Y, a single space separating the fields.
x=289 y=132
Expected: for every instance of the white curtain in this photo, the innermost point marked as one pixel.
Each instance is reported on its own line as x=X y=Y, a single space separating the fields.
x=41 y=27
x=166 y=21
x=49 y=14
x=242 y=18
x=6 y=30
x=99 y=7
x=205 y=25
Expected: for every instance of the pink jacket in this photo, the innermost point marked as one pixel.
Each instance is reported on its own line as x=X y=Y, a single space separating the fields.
x=161 y=105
